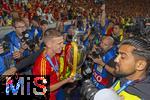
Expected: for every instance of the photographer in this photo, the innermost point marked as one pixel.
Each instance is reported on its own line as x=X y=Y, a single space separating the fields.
x=103 y=58
x=17 y=47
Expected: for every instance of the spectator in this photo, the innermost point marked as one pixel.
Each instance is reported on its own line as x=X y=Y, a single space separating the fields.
x=117 y=34
x=27 y=22
x=1 y=22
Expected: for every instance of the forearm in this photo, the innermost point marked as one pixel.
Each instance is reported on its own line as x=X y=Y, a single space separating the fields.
x=57 y=85
x=109 y=69
x=28 y=61
x=53 y=19
x=87 y=35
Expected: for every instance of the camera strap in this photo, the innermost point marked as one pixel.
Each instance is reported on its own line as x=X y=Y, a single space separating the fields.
x=109 y=55
x=16 y=43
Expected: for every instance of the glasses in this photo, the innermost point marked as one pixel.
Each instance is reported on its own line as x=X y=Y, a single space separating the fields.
x=20 y=27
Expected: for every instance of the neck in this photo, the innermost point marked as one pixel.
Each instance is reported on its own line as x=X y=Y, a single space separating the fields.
x=137 y=76
x=18 y=35
x=51 y=53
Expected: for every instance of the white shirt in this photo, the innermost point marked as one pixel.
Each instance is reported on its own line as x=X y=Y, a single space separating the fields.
x=50 y=16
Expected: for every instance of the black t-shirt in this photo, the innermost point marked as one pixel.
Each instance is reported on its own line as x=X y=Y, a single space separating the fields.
x=28 y=61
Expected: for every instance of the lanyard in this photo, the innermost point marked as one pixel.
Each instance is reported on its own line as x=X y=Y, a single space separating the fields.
x=129 y=82
x=17 y=44
x=55 y=67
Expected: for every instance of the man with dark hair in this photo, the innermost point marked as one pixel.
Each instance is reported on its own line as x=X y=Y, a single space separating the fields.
x=117 y=34
x=36 y=31
x=27 y=22
x=44 y=26
x=132 y=64
x=43 y=22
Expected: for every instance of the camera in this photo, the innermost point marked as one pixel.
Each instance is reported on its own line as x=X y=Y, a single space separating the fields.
x=97 y=53
x=30 y=42
x=94 y=30
x=139 y=27
x=88 y=90
x=87 y=68
x=5 y=46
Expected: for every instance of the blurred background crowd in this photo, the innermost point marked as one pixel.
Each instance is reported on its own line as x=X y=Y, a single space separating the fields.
x=100 y=26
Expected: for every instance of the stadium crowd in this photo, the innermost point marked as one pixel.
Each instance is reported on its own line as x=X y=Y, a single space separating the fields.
x=114 y=34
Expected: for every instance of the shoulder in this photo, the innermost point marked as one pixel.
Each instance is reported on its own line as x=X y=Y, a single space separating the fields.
x=140 y=89
x=11 y=35
x=39 y=65
x=40 y=58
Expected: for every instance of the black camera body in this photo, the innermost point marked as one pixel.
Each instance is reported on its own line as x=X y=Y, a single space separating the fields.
x=5 y=46
x=30 y=42
x=139 y=27
x=88 y=90
x=97 y=53
x=87 y=68
x=88 y=64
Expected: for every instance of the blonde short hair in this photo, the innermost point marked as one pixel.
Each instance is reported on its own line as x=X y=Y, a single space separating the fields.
x=50 y=34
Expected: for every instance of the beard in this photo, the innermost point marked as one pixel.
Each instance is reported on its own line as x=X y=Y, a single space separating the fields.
x=120 y=74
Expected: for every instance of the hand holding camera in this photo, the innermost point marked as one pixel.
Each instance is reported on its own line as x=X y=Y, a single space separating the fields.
x=17 y=55
x=1 y=49
x=4 y=46
x=24 y=46
x=28 y=42
x=97 y=60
